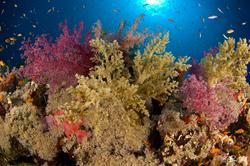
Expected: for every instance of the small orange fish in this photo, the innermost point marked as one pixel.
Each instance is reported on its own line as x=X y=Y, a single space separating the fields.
x=200 y=119
x=235 y=147
x=244 y=102
x=186 y=119
x=239 y=131
x=1 y=79
x=214 y=151
x=1 y=98
x=146 y=142
x=21 y=82
x=29 y=101
x=2 y=63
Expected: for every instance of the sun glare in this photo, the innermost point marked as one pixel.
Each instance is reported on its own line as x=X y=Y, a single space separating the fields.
x=155 y=2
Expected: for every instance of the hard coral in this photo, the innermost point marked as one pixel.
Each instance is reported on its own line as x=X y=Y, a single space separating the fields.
x=56 y=63
x=156 y=70
x=229 y=63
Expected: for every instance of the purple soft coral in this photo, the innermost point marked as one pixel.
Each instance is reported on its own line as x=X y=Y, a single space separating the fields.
x=56 y=63
x=197 y=69
x=217 y=103
x=212 y=52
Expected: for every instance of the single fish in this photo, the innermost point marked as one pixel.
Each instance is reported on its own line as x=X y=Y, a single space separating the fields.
x=51 y=10
x=244 y=23
x=1 y=48
x=220 y=10
x=19 y=35
x=225 y=36
x=229 y=31
x=214 y=151
x=10 y=40
x=239 y=131
x=15 y=5
x=1 y=97
x=171 y=20
x=34 y=26
x=212 y=17
x=116 y=10
x=2 y=63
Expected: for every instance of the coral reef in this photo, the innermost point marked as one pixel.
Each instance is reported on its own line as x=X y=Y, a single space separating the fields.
x=105 y=103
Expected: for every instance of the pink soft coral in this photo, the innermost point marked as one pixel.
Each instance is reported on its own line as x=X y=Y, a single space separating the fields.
x=217 y=103
x=197 y=69
x=56 y=63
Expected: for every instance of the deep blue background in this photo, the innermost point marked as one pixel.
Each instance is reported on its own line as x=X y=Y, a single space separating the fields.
x=182 y=18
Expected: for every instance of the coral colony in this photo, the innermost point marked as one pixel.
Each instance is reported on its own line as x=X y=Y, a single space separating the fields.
x=105 y=102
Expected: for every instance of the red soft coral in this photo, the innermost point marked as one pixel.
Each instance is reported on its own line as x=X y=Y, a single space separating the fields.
x=217 y=103
x=69 y=127
x=56 y=63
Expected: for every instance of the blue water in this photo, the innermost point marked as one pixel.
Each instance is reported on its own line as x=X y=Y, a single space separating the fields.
x=191 y=32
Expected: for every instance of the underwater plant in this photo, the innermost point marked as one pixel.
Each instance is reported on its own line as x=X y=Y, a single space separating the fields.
x=56 y=62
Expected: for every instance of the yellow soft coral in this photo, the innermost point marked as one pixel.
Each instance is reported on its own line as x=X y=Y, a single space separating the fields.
x=229 y=64
x=109 y=59
x=154 y=76
x=156 y=70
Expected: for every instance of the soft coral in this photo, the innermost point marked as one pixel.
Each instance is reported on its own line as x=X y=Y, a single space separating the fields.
x=56 y=63
x=216 y=103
